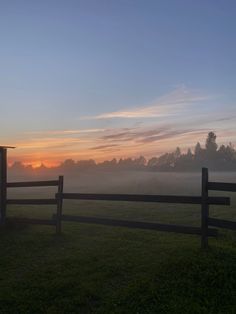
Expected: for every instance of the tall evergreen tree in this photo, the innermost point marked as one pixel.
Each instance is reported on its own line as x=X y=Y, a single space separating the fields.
x=211 y=146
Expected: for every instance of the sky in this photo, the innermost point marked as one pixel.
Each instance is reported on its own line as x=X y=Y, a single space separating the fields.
x=116 y=78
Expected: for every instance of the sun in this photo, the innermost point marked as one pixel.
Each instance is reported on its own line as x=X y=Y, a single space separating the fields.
x=38 y=163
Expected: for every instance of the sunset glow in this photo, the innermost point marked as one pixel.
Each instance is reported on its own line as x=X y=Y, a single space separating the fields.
x=110 y=82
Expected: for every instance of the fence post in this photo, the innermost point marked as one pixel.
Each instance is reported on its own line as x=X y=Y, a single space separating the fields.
x=3 y=184
x=59 y=205
x=205 y=209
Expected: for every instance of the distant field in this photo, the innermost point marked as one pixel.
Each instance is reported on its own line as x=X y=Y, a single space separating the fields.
x=132 y=181
x=99 y=269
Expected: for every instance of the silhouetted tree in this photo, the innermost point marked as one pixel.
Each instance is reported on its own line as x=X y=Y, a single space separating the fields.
x=177 y=153
x=108 y=164
x=197 y=150
x=68 y=164
x=139 y=163
x=152 y=163
x=211 y=146
x=189 y=154
x=85 y=164
x=17 y=166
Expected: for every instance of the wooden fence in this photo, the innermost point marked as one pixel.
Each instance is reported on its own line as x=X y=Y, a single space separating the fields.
x=56 y=221
x=204 y=200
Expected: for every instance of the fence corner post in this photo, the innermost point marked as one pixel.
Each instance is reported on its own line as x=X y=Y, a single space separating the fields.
x=59 y=204
x=205 y=209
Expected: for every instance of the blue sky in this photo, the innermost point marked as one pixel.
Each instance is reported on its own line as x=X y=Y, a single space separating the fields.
x=95 y=68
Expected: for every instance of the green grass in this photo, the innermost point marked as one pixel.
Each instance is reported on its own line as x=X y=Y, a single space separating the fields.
x=101 y=269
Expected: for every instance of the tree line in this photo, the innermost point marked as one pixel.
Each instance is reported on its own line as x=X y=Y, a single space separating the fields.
x=214 y=157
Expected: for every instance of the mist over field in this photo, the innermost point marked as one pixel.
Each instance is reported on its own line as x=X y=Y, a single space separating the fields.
x=140 y=182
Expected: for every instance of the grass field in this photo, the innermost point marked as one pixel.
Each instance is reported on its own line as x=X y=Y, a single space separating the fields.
x=100 y=269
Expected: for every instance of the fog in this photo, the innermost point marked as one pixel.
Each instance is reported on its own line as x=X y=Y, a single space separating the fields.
x=140 y=182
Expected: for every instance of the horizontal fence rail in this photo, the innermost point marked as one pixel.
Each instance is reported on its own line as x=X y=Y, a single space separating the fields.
x=33 y=221
x=49 y=201
x=221 y=186
x=32 y=184
x=138 y=224
x=222 y=223
x=175 y=199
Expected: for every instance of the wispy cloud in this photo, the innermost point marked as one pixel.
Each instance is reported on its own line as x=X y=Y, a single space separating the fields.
x=65 y=132
x=155 y=134
x=102 y=147
x=49 y=143
x=131 y=134
x=169 y=135
x=169 y=104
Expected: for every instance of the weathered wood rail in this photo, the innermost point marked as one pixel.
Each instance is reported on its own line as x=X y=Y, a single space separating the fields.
x=139 y=225
x=221 y=223
x=174 y=199
x=32 y=184
x=221 y=186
